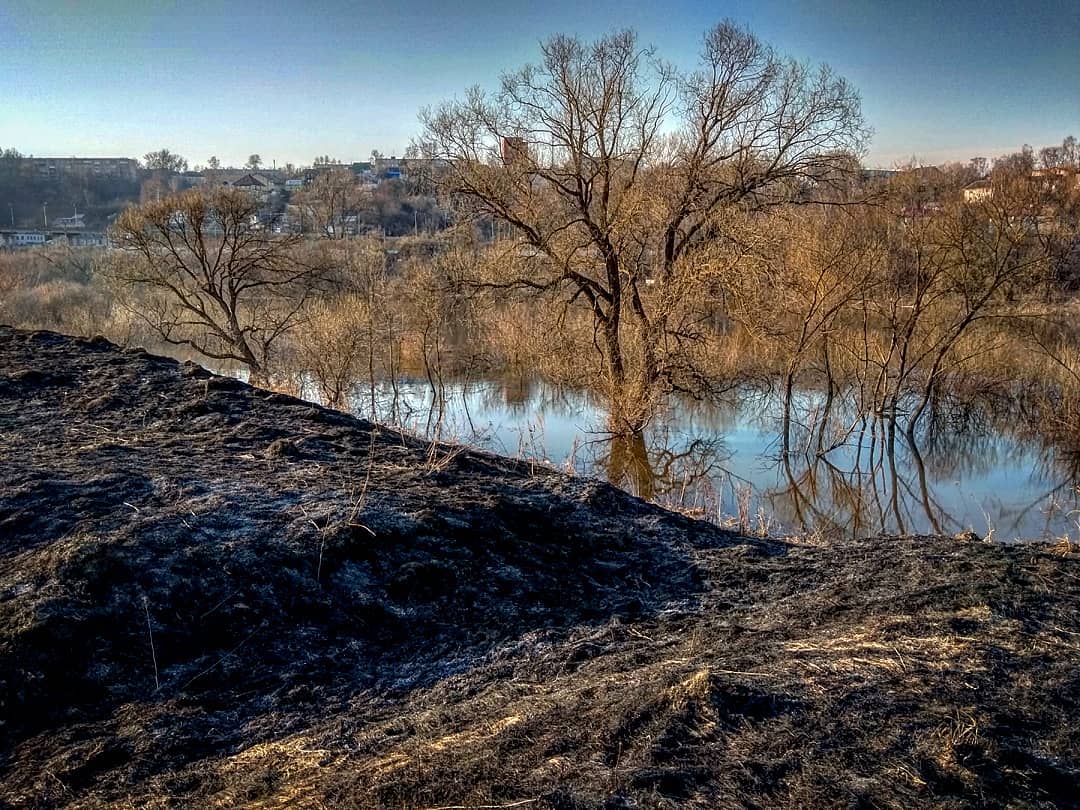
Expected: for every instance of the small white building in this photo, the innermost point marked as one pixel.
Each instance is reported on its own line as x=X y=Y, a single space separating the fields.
x=978 y=191
x=21 y=239
x=76 y=221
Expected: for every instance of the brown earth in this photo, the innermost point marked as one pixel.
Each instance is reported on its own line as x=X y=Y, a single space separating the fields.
x=217 y=596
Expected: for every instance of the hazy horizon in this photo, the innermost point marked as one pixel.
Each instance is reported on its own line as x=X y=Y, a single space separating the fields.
x=939 y=81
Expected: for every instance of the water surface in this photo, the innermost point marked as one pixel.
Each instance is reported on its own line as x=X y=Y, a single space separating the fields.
x=844 y=475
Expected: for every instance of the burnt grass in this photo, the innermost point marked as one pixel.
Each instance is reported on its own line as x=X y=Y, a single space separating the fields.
x=344 y=616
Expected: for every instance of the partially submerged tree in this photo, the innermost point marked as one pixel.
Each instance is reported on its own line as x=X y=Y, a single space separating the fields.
x=349 y=337
x=205 y=275
x=819 y=268
x=951 y=272
x=614 y=169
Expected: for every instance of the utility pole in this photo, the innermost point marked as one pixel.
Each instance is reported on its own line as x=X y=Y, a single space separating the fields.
x=45 y=214
x=12 y=209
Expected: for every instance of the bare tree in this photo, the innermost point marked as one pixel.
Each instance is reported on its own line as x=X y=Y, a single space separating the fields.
x=819 y=265
x=1070 y=151
x=615 y=169
x=331 y=197
x=165 y=161
x=1052 y=157
x=947 y=277
x=253 y=162
x=206 y=277
x=347 y=337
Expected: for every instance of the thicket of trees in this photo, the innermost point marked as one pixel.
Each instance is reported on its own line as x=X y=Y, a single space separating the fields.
x=886 y=305
x=897 y=303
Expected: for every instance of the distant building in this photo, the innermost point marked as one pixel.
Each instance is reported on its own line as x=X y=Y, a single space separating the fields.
x=1057 y=178
x=83 y=238
x=515 y=151
x=125 y=168
x=928 y=177
x=254 y=184
x=424 y=167
x=76 y=221
x=1048 y=180
x=918 y=210
x=978 y=191
x=387 y=167
x=22 y=239
x=251 y=181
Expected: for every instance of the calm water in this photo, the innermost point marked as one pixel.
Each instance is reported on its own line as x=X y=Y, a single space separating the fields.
x=844 y=475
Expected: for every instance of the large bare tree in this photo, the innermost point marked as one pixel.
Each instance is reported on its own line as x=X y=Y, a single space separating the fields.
x=206 y=275
x=615 y=168
x=329 y=200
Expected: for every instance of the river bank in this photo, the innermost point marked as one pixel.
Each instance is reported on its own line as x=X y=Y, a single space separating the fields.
x=214 y=595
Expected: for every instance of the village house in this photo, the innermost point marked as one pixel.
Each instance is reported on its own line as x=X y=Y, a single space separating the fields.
x=76 y=221
x=978 y=191
x=258 y=186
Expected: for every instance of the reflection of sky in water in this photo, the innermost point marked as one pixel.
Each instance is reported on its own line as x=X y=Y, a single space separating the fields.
x=976 y=478
x=538 y=423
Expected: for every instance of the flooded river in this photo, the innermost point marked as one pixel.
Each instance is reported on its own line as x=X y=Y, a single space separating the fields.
x=845 y=474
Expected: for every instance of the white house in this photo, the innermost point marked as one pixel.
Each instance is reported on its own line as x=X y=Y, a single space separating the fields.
x=978 y=191
x=75 y=221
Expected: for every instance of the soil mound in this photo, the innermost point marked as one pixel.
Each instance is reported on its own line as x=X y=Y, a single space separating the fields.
x=213 y=595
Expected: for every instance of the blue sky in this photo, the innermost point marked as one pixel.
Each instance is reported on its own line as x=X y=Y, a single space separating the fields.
x=939 y=80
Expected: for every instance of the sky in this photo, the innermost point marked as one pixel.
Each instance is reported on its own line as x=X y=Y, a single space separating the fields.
x=940 y=81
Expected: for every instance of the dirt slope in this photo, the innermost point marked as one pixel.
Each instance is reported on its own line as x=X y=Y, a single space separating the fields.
x=345 y=617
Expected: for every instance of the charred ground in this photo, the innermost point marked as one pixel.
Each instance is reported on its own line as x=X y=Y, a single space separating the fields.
x=343 y=616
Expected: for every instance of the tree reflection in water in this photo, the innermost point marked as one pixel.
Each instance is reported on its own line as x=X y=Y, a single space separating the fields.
x=972 y=464
x=668 y=469
x=873 y=476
